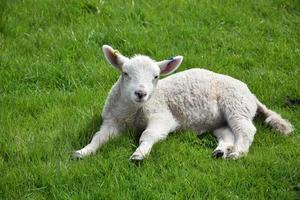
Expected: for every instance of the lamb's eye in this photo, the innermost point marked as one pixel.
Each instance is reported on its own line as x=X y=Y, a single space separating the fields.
x=156 y=77
x=125 y=73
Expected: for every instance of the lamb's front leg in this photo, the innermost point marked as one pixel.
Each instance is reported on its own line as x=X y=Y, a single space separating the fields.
x=159 y=126
x=108 y=130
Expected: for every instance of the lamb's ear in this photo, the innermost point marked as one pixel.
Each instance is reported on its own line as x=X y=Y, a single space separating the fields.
x=170 y=65
x=114 y=57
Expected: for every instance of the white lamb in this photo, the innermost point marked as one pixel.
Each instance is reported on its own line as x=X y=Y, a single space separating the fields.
x=195 y=99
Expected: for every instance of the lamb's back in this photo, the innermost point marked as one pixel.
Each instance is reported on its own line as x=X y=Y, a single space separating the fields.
x=193 y=97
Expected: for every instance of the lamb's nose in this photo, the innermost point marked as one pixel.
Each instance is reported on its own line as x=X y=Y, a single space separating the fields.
x=140 y=93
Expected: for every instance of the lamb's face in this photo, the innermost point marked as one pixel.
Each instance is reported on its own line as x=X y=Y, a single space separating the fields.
x=140 y=75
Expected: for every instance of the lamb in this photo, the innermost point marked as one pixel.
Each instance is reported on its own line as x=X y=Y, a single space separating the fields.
x=195 y=99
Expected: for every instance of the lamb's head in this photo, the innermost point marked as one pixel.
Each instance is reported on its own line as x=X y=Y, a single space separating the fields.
x=140 y=74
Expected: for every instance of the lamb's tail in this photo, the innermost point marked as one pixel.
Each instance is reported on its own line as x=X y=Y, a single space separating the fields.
x=274 y=119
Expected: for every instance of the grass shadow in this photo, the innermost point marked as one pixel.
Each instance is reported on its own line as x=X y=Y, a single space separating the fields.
x=205 y=140
x=85 y=135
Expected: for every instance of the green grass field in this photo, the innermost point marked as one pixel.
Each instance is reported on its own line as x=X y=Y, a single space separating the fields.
x=54 y=81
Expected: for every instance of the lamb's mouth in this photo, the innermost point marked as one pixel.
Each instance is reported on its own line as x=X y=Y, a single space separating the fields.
x=141 y=100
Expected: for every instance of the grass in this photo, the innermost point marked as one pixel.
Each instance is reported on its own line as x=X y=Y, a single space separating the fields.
x=54 y=81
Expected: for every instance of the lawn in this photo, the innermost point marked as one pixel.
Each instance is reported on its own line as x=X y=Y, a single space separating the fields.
x=54 y=81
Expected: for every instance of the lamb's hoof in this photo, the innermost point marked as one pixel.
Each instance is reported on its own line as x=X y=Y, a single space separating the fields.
x=136 y=158
x=77 y=155
x=218 y=153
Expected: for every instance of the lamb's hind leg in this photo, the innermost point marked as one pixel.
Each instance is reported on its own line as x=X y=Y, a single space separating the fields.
x=244 y=132
x=239 y=107
x=225 y=139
